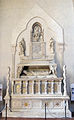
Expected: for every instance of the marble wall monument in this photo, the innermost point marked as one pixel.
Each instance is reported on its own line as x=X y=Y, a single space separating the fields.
x=33 y=79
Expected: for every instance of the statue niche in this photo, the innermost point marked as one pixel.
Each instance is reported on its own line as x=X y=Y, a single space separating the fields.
x=37 y=34
x=22 y=46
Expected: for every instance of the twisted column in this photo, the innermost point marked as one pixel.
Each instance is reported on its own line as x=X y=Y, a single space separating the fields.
x=64 y=79
x=8 y=82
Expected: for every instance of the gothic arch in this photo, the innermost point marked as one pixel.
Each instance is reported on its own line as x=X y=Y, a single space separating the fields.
x=37 y=14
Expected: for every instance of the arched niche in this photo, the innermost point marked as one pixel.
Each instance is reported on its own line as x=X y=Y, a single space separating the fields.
x=37 y=32
x=35 y=15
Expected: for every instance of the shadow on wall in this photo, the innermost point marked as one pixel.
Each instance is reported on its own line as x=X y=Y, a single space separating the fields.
x=59 y=66
x=60 y=74
x=58 y=62
x=68 y=89
x=68 y=83
x=4 y=86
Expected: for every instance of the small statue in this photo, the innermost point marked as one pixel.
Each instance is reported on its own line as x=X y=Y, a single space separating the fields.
x=19 y=70
x=22 y=46
x=36 y=33
x=52 y=45
x=41 y=37
x=52 y=70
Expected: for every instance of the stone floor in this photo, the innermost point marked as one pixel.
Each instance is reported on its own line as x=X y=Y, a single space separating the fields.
x=37 y=119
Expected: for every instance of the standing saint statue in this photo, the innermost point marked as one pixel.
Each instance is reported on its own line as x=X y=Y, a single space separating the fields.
x=51 y=45
x=22 y=46
x=52 y=70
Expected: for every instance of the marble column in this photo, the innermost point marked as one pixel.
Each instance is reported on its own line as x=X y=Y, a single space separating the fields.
x=64 y=80
x=32 y=87
x=20 y=87
x=13 y=87
x=39 y=87
x=26 y=86
x=7 y=97
x=52 y=87
x=59 y=88
x=45 y=87
x=8 y=82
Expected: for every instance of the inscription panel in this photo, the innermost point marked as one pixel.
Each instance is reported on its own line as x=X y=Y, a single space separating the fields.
x=36 y=50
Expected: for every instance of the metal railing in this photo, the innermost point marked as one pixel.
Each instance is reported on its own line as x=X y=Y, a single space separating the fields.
x=2 y=109
x=5 y=108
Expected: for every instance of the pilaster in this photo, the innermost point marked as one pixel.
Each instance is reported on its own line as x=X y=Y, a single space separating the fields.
x=13 y=61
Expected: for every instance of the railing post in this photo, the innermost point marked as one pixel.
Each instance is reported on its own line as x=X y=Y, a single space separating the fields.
x=39 y=87
x=65 y=109
x=6 y=112
x=45 y=110
x=10 y=103
x=45 y=87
